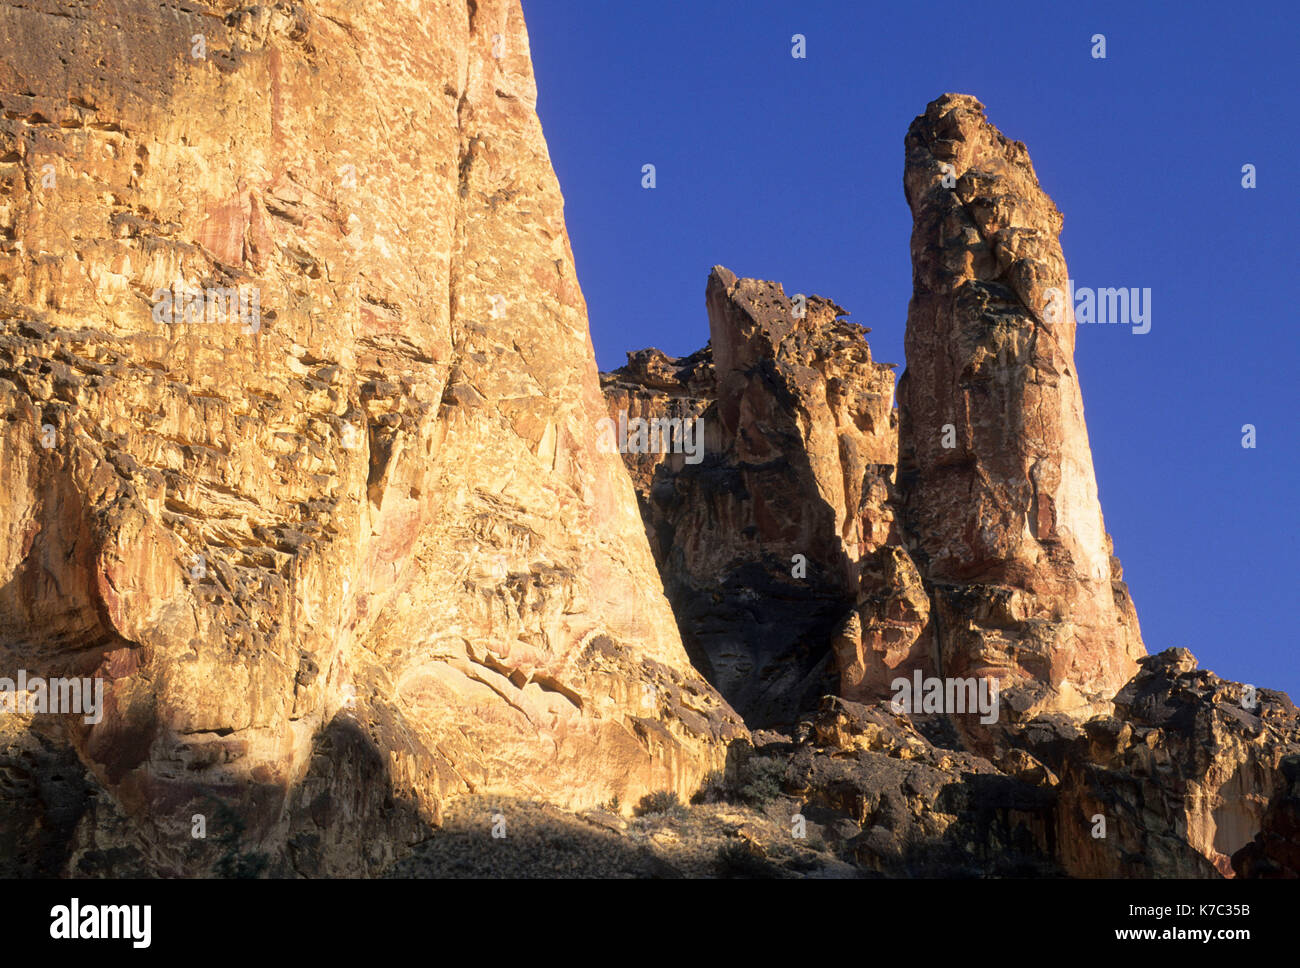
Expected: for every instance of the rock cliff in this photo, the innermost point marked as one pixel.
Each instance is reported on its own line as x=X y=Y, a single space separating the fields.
x=959 y=535
x=299 y=445
x=765 y=542
x=309 y=464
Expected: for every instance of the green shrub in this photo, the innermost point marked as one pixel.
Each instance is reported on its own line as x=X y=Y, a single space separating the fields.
x=761 y=778
x=663 y=802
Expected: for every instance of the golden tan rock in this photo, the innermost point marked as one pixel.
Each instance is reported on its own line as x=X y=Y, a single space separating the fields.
x=333 y=524
x=1187 y=760
x=1002 y=512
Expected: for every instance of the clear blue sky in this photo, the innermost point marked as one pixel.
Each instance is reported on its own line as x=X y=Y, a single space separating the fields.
x=792 y=170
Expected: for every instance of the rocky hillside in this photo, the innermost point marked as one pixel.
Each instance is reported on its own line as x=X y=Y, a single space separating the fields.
x=1170 y=786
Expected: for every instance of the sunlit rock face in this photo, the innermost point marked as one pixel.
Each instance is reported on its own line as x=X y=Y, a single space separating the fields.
x=957 y=537
x=1001 y=508
x=1186 y=760
x=299 y=444
x=307 y=462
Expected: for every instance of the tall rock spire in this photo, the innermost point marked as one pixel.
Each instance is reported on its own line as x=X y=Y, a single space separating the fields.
x=1001 y=503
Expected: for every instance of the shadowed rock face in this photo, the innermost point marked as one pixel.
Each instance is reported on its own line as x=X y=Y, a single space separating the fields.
x=1001 y=509
x=350 y=556
x=1274 y=853
x=895 y=795
x=1183 y=773
x=762 y=542
x=1186 y=760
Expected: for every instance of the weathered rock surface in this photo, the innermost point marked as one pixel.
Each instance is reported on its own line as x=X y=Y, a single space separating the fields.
x=1187 y=762
x=1275 y=851
x=356 y=554
x=960 y=535
x=985 y=555
x=655 y=386
x=860 y=791
x=763 y=543
x=1002 y=513
x=356 y=563
x=1183 y=774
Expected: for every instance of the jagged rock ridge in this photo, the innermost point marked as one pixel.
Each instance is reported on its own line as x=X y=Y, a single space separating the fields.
x=763 y=545
x=359 y=553
x=963 y=529
x=958 y=536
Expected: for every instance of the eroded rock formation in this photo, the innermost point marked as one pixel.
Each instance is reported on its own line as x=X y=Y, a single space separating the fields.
x=964 y=539
x=1186 y=756
x=1001 y=499
x=884 y=794
x=354 y=549
x=763 y=543
x=302 y=459
x=1275 y=851
x=1171 y=785
x=960 y=535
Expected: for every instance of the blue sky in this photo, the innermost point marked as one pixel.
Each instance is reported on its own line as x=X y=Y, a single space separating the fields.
x=791 y=170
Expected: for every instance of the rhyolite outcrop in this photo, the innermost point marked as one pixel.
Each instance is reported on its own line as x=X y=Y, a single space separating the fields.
x=1185 y=755
x=768 y=543
x=302 y=461
x=1184 y=766
x=957 y=535
x=1173 y=783
x=1001 y=510
x=350 y=554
